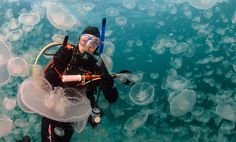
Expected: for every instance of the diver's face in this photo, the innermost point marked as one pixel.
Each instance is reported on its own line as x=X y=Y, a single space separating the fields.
x=88 y=43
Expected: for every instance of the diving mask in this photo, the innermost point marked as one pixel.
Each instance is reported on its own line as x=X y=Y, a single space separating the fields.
x=87 y=40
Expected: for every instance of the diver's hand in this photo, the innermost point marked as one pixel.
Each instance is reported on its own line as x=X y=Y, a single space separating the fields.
x=69 y=46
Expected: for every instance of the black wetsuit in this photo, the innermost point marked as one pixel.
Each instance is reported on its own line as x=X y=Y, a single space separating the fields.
x=71 y=61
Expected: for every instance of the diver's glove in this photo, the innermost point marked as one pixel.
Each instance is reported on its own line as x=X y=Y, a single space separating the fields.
x=107 y=81
x=112 y=96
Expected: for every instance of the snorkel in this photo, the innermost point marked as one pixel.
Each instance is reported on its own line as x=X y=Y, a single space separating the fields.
x=102 y=37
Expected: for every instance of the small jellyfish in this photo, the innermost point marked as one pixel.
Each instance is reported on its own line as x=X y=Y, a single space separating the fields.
x=121 y=21
x=142 y=93
x=202 y=4
x=179 y=48
x=34 y=70
x=108 y=61
x=136 y=121
x=158 y=48
x=29 y=19
x=109 y=48
x=183 y=102
x=6 y=125
x=176 y=82
x=112 y=12
x=80 y=125
x=129 y=4
x=226 y=110
x=9 y=103
x=17 y=66
x=15 y=35
x=88 y=6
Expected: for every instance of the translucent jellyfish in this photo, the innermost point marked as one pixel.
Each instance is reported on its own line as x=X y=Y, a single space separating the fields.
x=20 y=122
x=227 y=110
x=59 y=17
x=176 y=82
x=121 y=21
x=136 y=121
x=80 y=125
x=17 y=66
x=9 y=103
x=6 y=125
x=5 y=55
x=129 y=4
x=29 y=19
x=142 y=93
x=15 y=35
x=183 y=102
x=227 y=127
x=117 y=111
x=111 y=11
x=88 y=6
x=233 y=20
x=177 y=1
x=179 y=48
x=202 y=4
x=108 y=61
x=64 y=105
x=159 y=49
x=109 y=48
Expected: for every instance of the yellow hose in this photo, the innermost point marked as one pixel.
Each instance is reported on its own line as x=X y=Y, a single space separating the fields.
x=45 y=48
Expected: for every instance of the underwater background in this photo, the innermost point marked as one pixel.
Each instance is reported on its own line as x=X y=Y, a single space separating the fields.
x=183 y=53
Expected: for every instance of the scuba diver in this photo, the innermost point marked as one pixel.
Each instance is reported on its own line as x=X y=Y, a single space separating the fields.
x=82 y=58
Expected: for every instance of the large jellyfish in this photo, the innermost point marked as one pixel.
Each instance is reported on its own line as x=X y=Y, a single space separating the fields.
x=59 y=17
x=183 y=102
x=64 y=105
x=6 y=125
x=5 y=55
x=202 y=4
x=17 y=66
x=227 y=110
x=142 y=93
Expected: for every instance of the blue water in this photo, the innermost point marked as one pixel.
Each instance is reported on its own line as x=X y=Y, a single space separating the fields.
x=148 y=23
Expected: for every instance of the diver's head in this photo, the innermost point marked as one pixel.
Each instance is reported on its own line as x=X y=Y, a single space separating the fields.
x=89 y=40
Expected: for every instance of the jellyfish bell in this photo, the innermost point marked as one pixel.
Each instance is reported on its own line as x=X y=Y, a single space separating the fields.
x=176 y=82
x=17 y=66
x=6 y=125
x=183 y=102
x=203 y=4
x=5 y=55
x=142 y=93
x=226 y=110
x=37 y=95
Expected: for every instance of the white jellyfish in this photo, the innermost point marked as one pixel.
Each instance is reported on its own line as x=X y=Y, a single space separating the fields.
x=59 y=17
x=29 y=19
x=6 y=125
x=112 y=11
x=202 y=4
x=9 y=103
x=136 y=121
x=121 y=21
x=183 y=102
x=15 y=35
x=227 y=110
x=5 y=55
x=80 y=125
x=142 y=93
x=176 y=82
x=17 y=66
x=64 y=105
x=107 y=60
x=129 y=4
x=179 y=48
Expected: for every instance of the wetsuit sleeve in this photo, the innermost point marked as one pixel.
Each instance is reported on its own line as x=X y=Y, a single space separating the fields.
x=107 y=85
x=60 y=61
